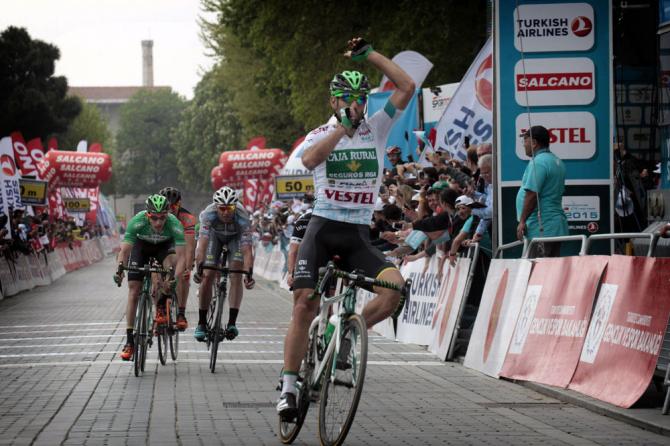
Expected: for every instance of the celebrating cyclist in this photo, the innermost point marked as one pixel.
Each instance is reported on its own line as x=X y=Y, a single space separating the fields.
x=153 y=233
x=347 y=157
x=188 y=221
x=223 y=223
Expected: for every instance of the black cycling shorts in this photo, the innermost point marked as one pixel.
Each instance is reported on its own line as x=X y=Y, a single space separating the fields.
x=215 y=247
x=325 y=239
x=143 y=251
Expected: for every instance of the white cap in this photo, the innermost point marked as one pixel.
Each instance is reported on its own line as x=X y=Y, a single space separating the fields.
x=464 y=200
x=658 y=168
x=416 y=196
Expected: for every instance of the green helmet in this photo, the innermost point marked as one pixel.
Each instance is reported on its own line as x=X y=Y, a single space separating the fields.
x=349 y=82
x=156 y=203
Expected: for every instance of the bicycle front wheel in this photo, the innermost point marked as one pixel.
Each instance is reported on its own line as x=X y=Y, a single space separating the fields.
x=162 y=340
x=173 y=332
x=146 y=332
x=216 y=333
x=343 y=382
x=139 y=335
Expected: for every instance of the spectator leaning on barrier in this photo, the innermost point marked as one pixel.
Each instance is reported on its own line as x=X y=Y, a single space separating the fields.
x=665 y=231
x=538 y=202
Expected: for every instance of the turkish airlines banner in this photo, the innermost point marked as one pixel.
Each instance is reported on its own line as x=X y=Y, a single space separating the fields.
x=469 y=112
x=75 y=169
x=415 y=321
x=626 y=331
x=499 y=309
x=9 y=173
x=551 y=327
x=450 y=300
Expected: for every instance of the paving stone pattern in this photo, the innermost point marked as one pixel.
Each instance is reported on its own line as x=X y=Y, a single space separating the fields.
x=63 y=383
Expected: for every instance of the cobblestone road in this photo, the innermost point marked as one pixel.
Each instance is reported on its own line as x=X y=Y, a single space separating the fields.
x=62 y=383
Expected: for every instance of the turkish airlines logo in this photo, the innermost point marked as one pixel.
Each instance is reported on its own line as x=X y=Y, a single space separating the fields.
x=484 y=83
x=8 y=166
x=581 y=26
x=554 y=81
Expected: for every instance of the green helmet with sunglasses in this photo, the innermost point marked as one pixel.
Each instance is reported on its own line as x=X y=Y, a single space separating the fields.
x=349 y=83
x=156 y=204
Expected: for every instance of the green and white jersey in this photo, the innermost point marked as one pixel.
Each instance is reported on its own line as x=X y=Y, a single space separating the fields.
x=347 y=183
x=139 y=228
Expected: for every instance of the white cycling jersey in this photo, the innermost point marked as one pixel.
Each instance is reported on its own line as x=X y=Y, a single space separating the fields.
x=347 y=183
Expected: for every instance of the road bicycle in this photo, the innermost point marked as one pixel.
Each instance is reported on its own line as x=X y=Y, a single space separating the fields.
x=333 y=370
x=216 y=333
x=144 y=327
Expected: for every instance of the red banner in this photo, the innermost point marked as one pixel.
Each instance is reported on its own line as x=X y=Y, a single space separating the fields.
x=27 y=156
x=626 y=331
x=250 y=164
x=554 y=317
x=75 y=169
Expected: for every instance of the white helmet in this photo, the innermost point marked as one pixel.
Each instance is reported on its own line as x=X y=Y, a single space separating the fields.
x=224 y=196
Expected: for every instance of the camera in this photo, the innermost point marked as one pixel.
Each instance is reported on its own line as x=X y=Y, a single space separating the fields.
x=397 y=225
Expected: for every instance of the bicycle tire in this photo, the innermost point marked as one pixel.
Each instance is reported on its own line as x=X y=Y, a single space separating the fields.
x=335 y=419
x=172 y=329
x=138 y=334
x=146 y=332
x=217 y=332
x=211 y=312
x=289 y=431
x=162 y=340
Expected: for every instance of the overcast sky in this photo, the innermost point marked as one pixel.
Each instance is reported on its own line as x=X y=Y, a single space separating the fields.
x=100 y=40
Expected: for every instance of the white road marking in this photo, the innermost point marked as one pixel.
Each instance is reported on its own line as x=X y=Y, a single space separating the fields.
x=94 y=329
x=119 y=362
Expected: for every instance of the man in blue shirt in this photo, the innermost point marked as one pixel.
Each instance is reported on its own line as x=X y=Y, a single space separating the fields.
x=539 y=200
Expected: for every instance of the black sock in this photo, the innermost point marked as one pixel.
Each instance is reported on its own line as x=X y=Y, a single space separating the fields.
x=161 y=300
x=232 y=318
x=129 y=335
x=202 y=317
x=182 y=311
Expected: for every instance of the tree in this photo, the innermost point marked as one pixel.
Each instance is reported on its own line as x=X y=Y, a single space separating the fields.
x=145 y=160
x=208 y=126
x=32 y=100
x=89 y=125
x=285 y=53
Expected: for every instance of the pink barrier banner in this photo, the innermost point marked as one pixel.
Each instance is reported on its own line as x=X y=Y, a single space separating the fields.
x=449 y=302
x=499 y=309
x=626 y=331
x=554 y=317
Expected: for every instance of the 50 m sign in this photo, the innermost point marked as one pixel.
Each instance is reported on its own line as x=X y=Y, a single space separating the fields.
x=293 y=186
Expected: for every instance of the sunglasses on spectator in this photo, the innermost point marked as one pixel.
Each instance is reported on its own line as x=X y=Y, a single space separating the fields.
x=157 y=217
x=227 y=207
x=349 y=98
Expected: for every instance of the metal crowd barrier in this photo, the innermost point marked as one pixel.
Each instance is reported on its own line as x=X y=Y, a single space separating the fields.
x=473 y=254
x=500 y=249
x=564 y=238
x=652 y=237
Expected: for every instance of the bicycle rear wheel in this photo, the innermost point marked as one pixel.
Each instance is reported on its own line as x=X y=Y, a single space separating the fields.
x=342 y=385
x=216 y=333
x=289 y=430
x=172 y=328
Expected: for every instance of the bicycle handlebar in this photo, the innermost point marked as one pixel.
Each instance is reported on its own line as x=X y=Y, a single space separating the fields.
x=147 y=269
x=226 y=270
x=359 y=279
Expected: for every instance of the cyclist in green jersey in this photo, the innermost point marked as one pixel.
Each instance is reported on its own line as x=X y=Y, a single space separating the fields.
x=153 y=233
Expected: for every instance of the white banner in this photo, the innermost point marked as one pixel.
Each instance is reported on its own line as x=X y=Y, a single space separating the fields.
x=498 y=311
x=10 y=194
x=414 y=323
x=385 y=327
x=414 y=64
x=451 y=299
x=469 y=111
x=435 y=101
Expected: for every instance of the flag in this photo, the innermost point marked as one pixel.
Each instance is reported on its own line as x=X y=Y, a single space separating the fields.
x=469 y=112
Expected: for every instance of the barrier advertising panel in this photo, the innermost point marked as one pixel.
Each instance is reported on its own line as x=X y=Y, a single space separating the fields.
x=414 y=323
x=385 y=327
x=554 y=317
x=449 y=303
x=626 y=331
x=498 y=311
